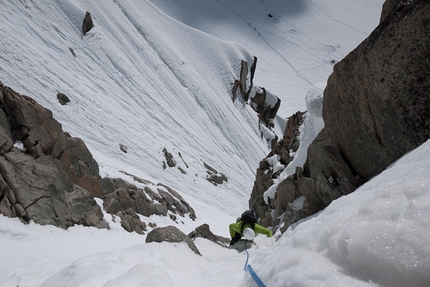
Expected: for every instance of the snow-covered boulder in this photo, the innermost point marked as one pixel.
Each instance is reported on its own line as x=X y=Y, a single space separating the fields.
x=170 y=234
x=205 y=232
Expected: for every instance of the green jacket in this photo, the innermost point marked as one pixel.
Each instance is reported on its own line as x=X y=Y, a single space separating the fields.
x=237 y=228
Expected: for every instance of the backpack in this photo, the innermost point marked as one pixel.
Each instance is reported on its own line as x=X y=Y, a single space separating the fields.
x=250 y=217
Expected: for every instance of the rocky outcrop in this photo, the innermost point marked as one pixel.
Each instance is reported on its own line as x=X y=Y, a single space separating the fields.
x=377 y=104
x=263 y=181
x=266 y=173
x=290 y=141
x=171 y=162
x=170 y=234
x=262 y=102
x=376 y=107
x=87 y=24
x=204 y=231
x=51 y=178
x=325 y=176
x=173 y=234
x=169 y=158
x=391 y=6
x=63 y=99
x=127 y=201
x=213 y=176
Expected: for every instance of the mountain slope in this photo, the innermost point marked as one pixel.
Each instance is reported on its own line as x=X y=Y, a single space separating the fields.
x=140 y=79
x=148 y=82
x=297 y=42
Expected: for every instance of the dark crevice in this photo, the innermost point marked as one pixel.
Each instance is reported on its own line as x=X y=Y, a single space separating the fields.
x=2 y=195
x=35 y=201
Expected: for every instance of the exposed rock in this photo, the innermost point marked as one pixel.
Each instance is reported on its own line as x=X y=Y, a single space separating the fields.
x=253 y=66
x=183 y=160
x=134 y=199
x=53 y=178
x=376 y=107
x=121 y=196
x=138 y=179
x=213 y=176
x=216 y=179
x=290 y=141
x=170 y=234
x=6 y=143
x=265 y=175
x=127 y=201
x=286 y=193
x=62 y=99
x=264 y=104
x=109 y=185
x=209 y=168
x=182 y=170
x=377 y=104
x=263 y=180
x=328 y=176
x=131 y=221
x=243 y=76
x=180 y=203
x=390 y=6
x=72 y=51
x=47 y=182
x=44 y=194
x=169 y=158
x=87 y=24
x=123 y=148
x=81 y=166
x=32 y=124
x=291 y=215
x=205 y=232
x=83 y=208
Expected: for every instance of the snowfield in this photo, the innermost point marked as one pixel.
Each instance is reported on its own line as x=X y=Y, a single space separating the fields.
x=158 y=74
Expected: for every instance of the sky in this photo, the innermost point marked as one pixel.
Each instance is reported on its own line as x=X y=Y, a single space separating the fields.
x=157 y=74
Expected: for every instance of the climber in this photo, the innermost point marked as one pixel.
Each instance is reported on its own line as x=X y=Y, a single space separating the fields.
x=246 y=226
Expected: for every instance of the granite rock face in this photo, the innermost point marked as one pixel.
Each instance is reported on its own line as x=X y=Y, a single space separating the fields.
x=49 y=177
x=376 y=108
x=377 y=101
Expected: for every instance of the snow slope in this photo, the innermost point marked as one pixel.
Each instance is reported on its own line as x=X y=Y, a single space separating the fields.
x=140 y=79
x=295 y=41
x=147 y=81
x=377 y=236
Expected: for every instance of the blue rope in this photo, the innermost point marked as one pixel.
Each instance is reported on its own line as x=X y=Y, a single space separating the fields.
x=250 y=270
x=255 y=277
x=247 y=255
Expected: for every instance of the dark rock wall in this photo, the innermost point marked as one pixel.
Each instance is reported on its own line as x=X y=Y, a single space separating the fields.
x=376 y=107
x=265 y=175
x=53 y=178
x=377 y=101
